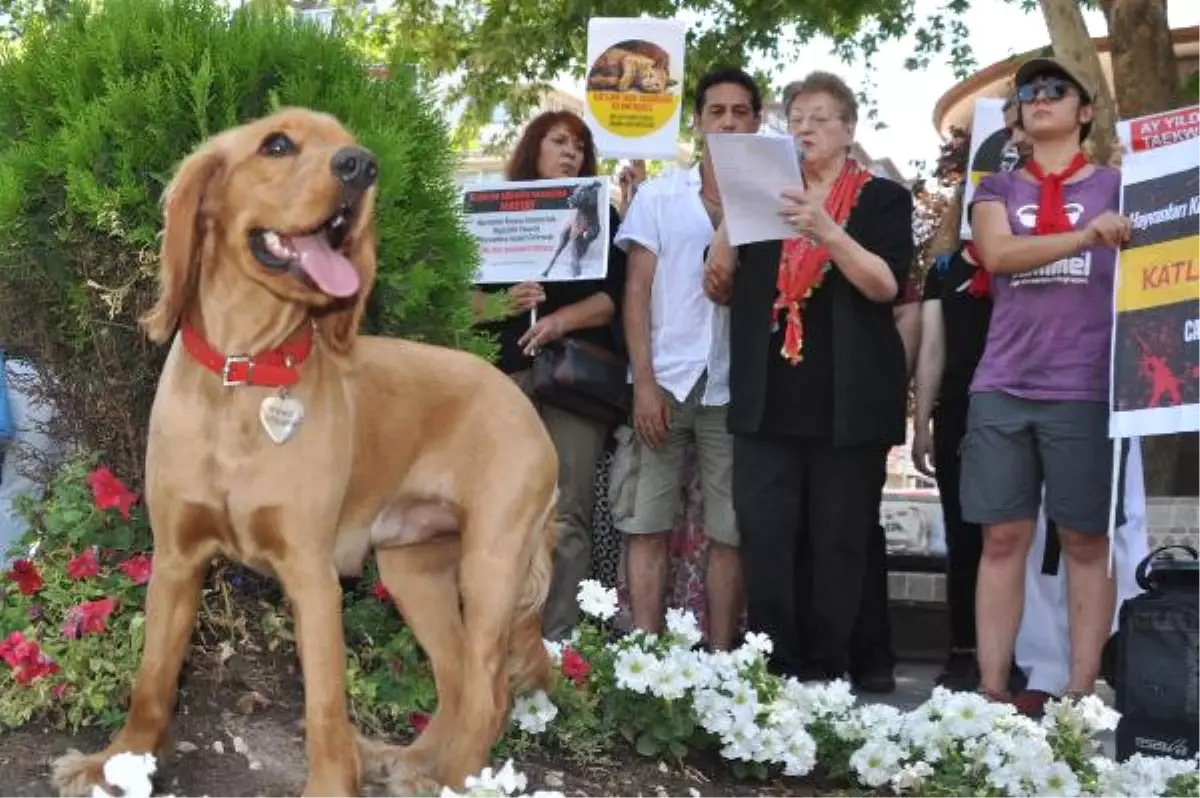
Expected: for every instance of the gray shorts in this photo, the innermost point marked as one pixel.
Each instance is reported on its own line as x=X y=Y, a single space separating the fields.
x=646 y=486
x=1014 y=447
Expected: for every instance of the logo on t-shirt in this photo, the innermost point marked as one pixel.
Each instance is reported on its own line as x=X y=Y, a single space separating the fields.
x=1071 y=270
x=1027 y=214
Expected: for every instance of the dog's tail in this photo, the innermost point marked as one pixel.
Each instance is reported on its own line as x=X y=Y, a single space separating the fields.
x=528 y=662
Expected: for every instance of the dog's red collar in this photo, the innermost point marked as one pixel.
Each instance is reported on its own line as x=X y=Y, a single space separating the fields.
x=276 y=368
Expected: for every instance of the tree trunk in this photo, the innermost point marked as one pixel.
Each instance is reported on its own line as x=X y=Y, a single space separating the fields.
x=1073 y=46
x=1145 y=74
x=1146 y=81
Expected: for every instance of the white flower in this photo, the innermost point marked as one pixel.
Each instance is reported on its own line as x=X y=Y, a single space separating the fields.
x=533 y=712
x=1058 y=780
x=692 y=666
x=682 y=625
x=130 y=773
x=877 y=762
x=667 y=682
x=760 y=642
x=800 y=755
x=554 y=649
x=635 y=669
x=1087 y=715
x=596 y=600
x=911 y=776
x=507 y=781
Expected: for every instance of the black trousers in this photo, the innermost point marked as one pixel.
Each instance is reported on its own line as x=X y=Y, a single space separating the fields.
x=871 y=643
x=964 y=540
x=805 y=511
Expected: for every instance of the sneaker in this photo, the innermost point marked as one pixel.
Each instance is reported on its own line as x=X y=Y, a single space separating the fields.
x=961 y=671
x=1032 y=703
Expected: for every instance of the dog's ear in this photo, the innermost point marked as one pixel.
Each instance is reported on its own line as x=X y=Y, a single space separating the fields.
x=339 y=327
x=181 y=240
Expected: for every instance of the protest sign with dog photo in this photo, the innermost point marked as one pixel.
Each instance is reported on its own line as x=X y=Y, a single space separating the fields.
x=539 y=230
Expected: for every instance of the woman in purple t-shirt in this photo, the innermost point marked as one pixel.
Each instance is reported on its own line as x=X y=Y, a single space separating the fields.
x=1038 y=415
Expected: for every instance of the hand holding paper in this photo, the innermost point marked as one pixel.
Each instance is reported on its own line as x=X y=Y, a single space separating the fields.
x=752 y=173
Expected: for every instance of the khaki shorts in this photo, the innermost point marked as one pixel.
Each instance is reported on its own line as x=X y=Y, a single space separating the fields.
x=646 y=485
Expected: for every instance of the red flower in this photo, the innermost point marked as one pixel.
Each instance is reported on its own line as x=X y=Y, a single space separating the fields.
x=137 y=568
x=26 y=658
x=83 y=566
x=418 y=721
x=574 y=666
x=380 y=591
x=110 y=493
x=88 y=617
x=8 y=648
x=26 y=575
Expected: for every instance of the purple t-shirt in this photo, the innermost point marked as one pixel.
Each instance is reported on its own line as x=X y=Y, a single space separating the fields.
x=1051 y=327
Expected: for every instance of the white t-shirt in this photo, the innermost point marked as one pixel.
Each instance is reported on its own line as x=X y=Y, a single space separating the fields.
x=689 y=333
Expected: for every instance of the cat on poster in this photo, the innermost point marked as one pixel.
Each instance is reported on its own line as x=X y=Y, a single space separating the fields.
x=634 y=86
x=539 y=230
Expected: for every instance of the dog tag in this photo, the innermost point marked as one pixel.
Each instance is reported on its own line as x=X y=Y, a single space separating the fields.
x=281 y=417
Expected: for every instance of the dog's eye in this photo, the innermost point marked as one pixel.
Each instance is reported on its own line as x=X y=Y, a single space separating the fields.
x=277 y=145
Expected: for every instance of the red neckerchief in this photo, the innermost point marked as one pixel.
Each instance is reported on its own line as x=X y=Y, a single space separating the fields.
x=272 y=369
x=980 y=286
x=803 y=263
x=1052 y=216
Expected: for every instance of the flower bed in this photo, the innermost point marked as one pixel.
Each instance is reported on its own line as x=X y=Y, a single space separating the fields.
x=71 y=625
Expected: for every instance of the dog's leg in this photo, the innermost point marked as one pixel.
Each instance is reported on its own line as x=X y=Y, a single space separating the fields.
x=171 y=601
x=491 y=582
x=312 y=588
x=562 y=244
x=423 y=581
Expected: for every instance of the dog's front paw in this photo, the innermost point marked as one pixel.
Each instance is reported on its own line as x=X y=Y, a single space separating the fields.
x=75 y=773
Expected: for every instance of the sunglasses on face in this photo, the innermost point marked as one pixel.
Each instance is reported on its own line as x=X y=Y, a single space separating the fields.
x=1053 y=89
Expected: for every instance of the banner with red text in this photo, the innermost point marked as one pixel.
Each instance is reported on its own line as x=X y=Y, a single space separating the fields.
x=635 y=86
x=1159 y=130
x=1156 y=330
x=539 y=230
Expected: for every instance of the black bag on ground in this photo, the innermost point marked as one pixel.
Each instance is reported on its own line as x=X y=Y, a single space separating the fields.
x=1157 y=675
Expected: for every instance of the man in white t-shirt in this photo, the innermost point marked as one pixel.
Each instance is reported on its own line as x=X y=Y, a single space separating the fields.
x=678 y=343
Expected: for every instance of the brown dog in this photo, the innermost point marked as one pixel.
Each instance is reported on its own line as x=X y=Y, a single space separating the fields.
x=281 y=439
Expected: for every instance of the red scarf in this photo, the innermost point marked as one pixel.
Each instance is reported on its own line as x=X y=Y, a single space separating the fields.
x=803 y=263
x=1052 y=216
x=980 y=286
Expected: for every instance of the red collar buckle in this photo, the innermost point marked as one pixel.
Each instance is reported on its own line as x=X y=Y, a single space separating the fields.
x=275 y=368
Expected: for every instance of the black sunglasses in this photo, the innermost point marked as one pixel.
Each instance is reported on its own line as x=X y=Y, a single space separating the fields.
x=1053 y=89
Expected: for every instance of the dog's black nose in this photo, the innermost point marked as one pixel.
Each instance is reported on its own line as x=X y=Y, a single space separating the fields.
x=355 y=167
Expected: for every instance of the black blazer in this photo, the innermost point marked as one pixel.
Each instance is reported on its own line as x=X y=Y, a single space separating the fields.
x=870 y=383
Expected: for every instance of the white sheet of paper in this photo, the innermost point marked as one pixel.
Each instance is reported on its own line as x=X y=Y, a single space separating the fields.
x=751 y=171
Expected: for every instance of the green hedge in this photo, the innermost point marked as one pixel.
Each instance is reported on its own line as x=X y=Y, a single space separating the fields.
x=96 y=110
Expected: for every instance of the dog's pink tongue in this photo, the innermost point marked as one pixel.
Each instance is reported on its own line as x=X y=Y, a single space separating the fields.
x=328 y=268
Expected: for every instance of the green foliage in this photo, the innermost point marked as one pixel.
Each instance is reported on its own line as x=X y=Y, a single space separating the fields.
x=98 y=107
x=495 y=54
x=1191 y=88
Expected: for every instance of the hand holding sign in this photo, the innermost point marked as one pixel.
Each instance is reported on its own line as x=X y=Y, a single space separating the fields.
x=526 y=296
